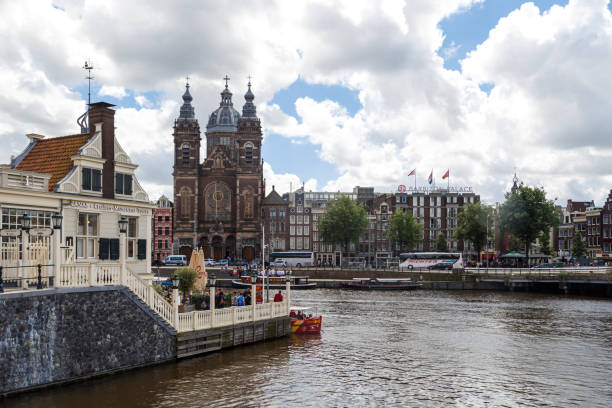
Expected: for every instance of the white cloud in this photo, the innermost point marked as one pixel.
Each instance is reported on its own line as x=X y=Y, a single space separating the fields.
x=548 y=113
x=118 y=92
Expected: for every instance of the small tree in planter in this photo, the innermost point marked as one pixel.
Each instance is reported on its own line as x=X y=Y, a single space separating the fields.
x=187 y=278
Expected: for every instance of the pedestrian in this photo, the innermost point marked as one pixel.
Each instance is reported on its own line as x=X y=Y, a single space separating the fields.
x=278 y=297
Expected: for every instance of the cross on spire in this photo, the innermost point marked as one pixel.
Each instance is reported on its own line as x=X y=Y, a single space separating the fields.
x=227 y=78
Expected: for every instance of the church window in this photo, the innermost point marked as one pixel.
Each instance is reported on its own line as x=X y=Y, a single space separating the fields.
x=248 y=153
x=224 y=140
x=185 y=150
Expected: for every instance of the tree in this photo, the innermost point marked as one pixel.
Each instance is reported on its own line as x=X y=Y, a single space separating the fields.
x=343 y=222
x=545 y=243
x=404 y=230
x=187 y=277
x=578 y=246
x=472 y=224
x=441 y=245
x=527 y=213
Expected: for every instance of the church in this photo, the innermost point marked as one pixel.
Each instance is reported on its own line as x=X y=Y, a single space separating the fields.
x=218 y=199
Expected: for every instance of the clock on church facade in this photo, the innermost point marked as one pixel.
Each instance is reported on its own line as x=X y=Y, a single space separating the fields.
x=218 y=198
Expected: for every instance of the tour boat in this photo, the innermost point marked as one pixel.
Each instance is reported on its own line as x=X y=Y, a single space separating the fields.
x=381 y=284
x=276 y=282
x=303 y=321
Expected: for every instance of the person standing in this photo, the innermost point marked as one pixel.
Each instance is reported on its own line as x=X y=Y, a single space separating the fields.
x=278 y=297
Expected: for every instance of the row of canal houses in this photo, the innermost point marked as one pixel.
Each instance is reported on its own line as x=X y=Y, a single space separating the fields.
x=89 y=181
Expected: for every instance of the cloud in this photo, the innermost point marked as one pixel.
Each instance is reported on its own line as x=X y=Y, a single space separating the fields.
x=118 y=92
x=547 y=113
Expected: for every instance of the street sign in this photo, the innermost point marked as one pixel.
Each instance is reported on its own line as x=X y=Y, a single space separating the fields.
x=10 y=233
x=41 y=232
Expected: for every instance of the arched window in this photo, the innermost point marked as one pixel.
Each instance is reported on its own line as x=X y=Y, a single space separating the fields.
x=185 y=152
x=248 y=153
x=186 y=198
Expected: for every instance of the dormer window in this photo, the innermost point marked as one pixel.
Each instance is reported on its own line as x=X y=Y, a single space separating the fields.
x=91 y=179
x=123 y=184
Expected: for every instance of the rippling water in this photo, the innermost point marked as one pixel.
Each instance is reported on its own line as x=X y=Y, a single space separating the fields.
x=413 y=349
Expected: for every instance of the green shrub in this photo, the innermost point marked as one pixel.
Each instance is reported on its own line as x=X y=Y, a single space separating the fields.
x=159 y=289
x=198 y=301
x=187 y=278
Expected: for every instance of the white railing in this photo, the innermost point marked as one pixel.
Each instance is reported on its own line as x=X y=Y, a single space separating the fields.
x=101 y=274
x=584 y=270
x=230 y=316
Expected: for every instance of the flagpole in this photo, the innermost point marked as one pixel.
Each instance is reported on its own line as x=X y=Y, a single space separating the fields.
x=448 y=180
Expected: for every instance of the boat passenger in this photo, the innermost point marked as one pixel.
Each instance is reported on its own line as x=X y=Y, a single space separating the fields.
x=240 y=300
x=278 y=297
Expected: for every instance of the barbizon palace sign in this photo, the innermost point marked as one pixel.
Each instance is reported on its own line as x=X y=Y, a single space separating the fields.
x=434 y=189
x=109 y=207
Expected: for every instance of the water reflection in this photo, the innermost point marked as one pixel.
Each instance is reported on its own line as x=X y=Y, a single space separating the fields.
x=415 y=348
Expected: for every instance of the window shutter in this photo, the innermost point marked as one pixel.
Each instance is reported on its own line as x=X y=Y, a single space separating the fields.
x=118 y=183
x=96 y=176
x=86 y=173
x=114 y=248
x=128 y=184
x=142 y=249
x=104 y=246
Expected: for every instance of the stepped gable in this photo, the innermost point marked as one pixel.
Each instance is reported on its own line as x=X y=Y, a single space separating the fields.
x=53 y=156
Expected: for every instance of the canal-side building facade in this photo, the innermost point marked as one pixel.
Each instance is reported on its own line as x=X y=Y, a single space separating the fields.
x=162 y=230
x=87 y=178
x=218 y=199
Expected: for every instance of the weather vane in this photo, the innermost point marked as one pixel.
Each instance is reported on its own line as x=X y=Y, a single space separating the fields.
x=88 y=66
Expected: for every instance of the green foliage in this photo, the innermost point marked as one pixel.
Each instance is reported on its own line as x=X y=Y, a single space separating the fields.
x=158 y=288
x=198 y=301
x=545 y=243
x=578 y=246
x=187 y=278
x=441 y=245
x=404 y=230
x=343 y=222
x=472 y=224
x=527 y=213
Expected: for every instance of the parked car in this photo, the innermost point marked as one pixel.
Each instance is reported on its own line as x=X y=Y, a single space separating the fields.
x=209 y=262
x=221 y=262
x=441 y=266
x=178 y=260
x=278 y=263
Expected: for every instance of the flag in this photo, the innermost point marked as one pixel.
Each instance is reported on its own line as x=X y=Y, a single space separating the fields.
x=446 y=174
x=412 y=173
x=430 y=178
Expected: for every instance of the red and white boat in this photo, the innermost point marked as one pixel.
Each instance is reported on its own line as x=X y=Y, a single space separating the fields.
x=305 y=320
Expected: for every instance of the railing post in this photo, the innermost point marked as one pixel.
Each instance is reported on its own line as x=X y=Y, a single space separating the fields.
x=233 y=315
x=1 y=281
x=253 y=298
x=89 y=274
x=193 y=320
x=212 y=300
x=288 y=294
x=39 y=282
x=175 y=306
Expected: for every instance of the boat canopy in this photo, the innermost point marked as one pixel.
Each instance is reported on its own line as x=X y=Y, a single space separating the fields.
x=299 y=308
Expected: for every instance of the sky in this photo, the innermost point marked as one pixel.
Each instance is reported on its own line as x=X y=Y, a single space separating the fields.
x=349 y=92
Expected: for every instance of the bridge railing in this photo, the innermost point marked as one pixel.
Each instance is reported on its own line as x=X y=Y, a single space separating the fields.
x=543 y=272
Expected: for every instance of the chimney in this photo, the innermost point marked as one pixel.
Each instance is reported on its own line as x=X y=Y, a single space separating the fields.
x=101 y=112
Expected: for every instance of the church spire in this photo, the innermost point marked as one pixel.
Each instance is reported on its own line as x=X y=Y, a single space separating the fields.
x=187 y=111
x=249 y=110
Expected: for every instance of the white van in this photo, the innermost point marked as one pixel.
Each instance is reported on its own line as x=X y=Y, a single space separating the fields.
x=179 y=260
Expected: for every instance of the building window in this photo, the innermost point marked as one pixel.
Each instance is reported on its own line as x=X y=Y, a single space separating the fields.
x=224 y=140
x=272 y=212
x=131 y=238
x=159 y=218
x=299 y=231
x=306 y=243
x=292 y=219
x=272 y=227
x=291 y=243
x=87 y=236
x=300 y=219
x=167 y=244
x=248 y=153
x=281 y=227
x=185 y=151
x=306 y=219
x=291 y=230
x=167 y=218
x=159 y=244
x=315 y=246
x=281 y=212
x=167 y=230
x=92 y=179
x=123 y=184
x=159 y=230
x=299 y=243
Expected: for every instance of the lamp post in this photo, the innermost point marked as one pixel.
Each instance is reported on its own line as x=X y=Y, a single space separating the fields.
x=212 y=298
x=288 y=290
x=487 y=244
x=175 y=299
x=123 y=222
x=56 y=223
x=254 y=291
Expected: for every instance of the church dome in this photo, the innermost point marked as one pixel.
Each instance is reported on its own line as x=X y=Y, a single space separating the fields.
x=225 y=117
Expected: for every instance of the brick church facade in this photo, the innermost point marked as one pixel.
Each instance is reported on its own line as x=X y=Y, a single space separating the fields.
x=217 y=200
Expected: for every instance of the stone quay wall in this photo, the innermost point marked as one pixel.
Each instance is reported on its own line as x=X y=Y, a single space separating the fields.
x=58 y=335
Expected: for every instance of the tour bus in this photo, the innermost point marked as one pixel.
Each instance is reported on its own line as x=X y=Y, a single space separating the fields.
x=293 y=258
x=431 y=260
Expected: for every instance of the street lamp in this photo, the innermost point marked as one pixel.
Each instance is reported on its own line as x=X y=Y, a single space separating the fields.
x=123 y=222
x=26 y=222
x=56 y=220
x=487 y=244
x=175 y=282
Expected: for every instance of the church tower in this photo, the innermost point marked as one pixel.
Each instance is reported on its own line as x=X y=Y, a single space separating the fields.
x=186 y=173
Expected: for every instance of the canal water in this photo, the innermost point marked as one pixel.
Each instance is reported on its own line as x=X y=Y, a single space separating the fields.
x=419 y=348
